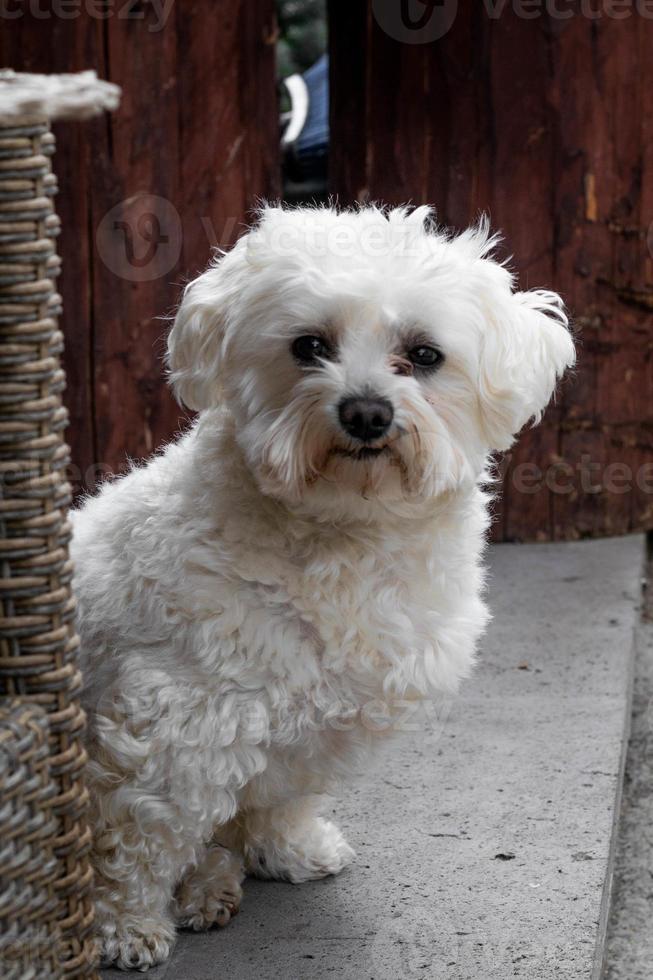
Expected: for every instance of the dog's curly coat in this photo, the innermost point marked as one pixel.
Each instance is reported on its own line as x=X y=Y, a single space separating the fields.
x=246 y=595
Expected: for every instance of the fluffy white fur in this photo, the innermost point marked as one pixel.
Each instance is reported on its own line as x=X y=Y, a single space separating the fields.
x=254 y=597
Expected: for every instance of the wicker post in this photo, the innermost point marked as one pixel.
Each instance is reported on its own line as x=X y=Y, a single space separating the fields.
x=38 y=644
x=29 y=930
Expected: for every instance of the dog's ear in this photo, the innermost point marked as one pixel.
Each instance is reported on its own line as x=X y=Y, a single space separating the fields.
x=196 y=343
x=525 y=348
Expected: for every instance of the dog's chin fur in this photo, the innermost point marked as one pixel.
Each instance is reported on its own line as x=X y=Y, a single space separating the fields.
x=254 y=597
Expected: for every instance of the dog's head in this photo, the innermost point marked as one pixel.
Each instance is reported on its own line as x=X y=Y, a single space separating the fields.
x=366 y=355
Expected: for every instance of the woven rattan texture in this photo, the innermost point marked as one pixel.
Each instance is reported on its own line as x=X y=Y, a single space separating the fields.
x=29 y=933
x=38 y=645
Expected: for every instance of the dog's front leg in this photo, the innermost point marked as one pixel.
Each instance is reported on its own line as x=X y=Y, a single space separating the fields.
x=137 y=863
x=151 y=826
x=290 y=842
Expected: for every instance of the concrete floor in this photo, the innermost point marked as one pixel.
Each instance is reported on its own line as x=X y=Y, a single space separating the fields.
x=630 y=936
x=485 y=835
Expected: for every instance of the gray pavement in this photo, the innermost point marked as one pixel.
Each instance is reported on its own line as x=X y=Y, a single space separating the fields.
x=630 y=936
x=485 y=837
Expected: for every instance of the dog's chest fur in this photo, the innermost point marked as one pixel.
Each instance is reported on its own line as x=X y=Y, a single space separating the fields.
x=342 y=602
x=198 y=594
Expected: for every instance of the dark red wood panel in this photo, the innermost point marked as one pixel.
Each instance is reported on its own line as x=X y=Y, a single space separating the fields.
x=147 y=192
x=546 y=123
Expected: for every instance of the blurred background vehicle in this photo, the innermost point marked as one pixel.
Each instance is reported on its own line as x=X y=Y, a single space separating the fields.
x=303 y=70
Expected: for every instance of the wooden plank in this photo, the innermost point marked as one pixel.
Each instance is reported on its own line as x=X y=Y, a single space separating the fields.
x=602 y=255
x=348 y=104
x=229 y=154
x=137 y=242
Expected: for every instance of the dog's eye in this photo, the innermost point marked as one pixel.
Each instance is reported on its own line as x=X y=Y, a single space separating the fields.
x=424 y=356
x=309 y=349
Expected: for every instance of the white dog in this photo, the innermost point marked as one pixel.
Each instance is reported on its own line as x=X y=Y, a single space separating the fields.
x=310 y=547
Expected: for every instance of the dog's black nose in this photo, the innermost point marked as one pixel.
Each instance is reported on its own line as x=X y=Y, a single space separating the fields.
x=365 y=419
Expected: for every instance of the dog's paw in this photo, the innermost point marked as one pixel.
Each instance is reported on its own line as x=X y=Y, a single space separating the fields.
x=328 y=853
x=136 y=947
x=211 y=894
x=211 y=910
x=318 y=851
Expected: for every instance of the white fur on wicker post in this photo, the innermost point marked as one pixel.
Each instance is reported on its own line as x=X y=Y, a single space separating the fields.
x=73 y=96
